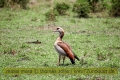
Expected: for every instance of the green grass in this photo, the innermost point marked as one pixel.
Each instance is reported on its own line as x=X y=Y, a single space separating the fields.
x=96 y=41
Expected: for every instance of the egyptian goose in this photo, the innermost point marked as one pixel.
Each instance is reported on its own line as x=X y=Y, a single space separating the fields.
x=63 y=48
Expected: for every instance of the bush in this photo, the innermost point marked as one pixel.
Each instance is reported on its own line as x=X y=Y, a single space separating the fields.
x=97 y=5
x=82 y=9
x=51 y=15
x=115 y=9
x=93 y=4
x=2 y=3
x=61 y=8
x=23 y=3
x=11 y=3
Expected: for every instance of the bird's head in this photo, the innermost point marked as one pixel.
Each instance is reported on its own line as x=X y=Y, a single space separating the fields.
x=59 y=29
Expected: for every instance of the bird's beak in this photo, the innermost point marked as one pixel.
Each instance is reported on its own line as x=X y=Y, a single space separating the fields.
x=55 y=31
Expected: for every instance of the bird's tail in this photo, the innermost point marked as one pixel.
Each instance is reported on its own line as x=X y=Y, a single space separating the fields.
x=76 y=57
x=72 y=61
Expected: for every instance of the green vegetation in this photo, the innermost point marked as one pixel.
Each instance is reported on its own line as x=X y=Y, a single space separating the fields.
x=82 y=9
x=115 y=9
x=51 y=15
x=12 y=3
x=61 y=8
x=26 y=41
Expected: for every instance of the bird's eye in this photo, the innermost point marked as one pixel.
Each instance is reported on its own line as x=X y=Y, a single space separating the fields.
x=57 y=28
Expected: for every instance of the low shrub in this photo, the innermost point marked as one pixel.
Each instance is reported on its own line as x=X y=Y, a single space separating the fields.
x=51 y=15
x=2 y=3
x=97 y=5
x=61 y=8
x=82 y=9
x=11 y=3
x=115 y=8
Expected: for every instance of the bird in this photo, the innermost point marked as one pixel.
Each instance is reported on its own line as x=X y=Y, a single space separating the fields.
x=63 y=49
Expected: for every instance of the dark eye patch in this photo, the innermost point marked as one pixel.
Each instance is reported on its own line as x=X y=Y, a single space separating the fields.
x=57 y=28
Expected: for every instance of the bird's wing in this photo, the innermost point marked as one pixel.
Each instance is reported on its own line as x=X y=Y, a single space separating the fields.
x=72 y=51
x=67 y=50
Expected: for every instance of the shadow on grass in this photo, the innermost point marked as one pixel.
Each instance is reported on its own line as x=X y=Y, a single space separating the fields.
x=65 y=64
x=34 y=42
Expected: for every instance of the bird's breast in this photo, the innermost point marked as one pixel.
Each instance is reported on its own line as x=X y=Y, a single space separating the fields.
x=59 y=49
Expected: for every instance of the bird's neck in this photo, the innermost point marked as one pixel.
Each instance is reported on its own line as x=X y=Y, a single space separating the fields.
x=59 y=39
x=61 y=35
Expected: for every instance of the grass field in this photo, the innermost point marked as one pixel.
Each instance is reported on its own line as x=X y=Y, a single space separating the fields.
x=96 y=41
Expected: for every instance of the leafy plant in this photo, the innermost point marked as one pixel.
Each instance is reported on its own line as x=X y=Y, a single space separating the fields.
x=97 y=5
x=61 y=8
x=23 y=4
x=2 y=3
x=93 y=4
x=11 y=3
x=51 y=15
x=115 y=9
x=82 y=9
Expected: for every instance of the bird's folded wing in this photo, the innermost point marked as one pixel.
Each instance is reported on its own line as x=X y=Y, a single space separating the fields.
x=72 y=51
x=66 y=48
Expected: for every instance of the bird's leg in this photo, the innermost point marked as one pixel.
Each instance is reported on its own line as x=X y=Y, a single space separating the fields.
x=63 y=59
x=59 y=60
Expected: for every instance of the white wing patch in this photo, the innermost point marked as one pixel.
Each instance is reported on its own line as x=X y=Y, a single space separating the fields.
x=60 y=50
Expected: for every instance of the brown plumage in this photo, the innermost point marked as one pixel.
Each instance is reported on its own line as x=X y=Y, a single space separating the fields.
x=63 y=48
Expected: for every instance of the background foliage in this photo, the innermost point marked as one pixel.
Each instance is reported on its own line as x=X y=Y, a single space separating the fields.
x=26 y=39
x=82 y=9
x=112 y=7
x=115 y=8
